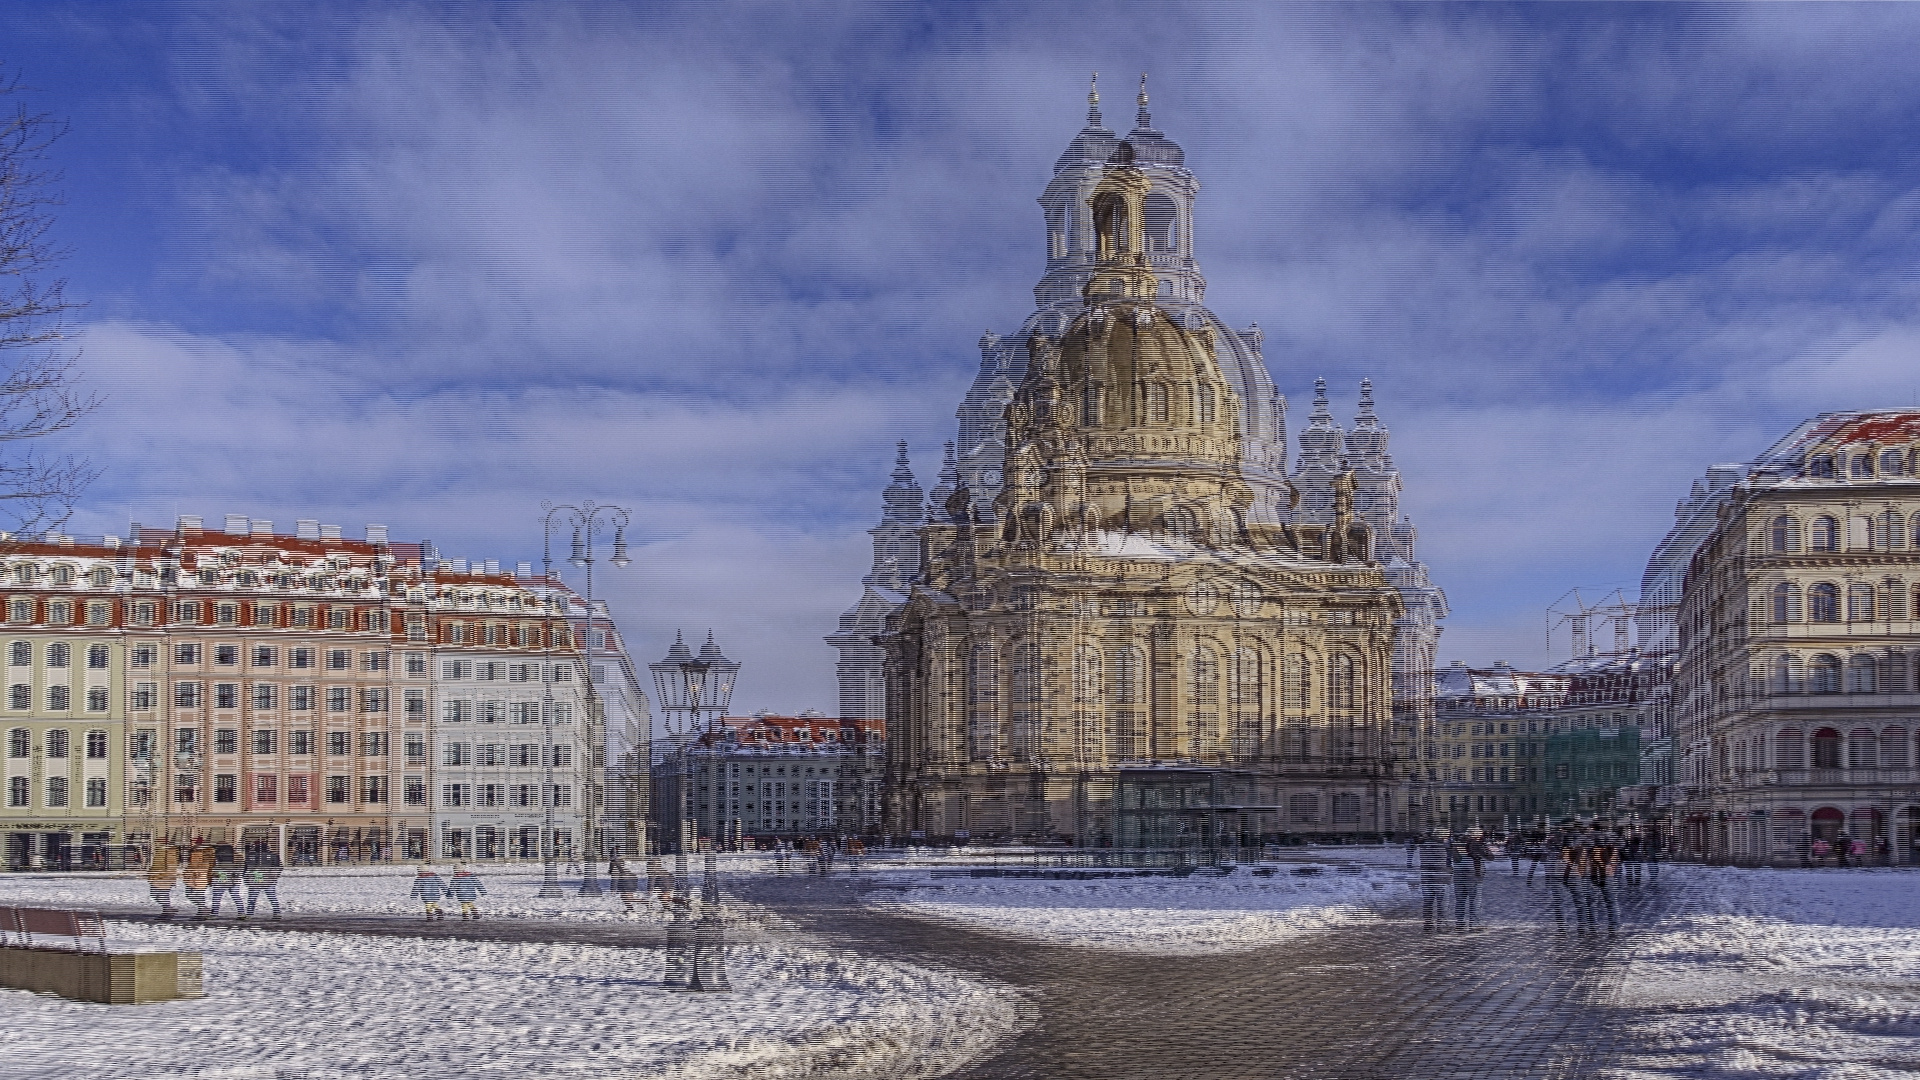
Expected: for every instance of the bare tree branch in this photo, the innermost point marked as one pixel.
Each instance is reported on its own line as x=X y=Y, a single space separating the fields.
x=40 y=389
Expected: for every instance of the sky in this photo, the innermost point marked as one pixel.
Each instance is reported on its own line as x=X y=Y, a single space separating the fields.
x=430 y=265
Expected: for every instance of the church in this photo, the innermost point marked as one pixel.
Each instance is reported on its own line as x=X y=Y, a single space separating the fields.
x=1117 y=622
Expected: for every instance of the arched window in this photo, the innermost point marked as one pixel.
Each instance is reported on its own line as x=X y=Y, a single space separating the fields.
x=1893 y=600
x=1157 y=403
x=1086 y=702
x=1862 y=465
x=1090 y=407
x=1823 y=603
x=1790 y=749
x=983 y=702
x=1825 y=535
x=1026 y=719
x=1786 y=602
x=1892 y=528
x=1056 y=232
x=1860 y=534
x=1297 y=685
x=1250 y=680
x=1821 y=466
x=1893 y=748
x=1785 y=534
x=1161 y=218
x=1824 y=676
x=1340 y=690
x=19 y=743
x=1788 y=677
x=1126 y=702
x=20 y=653
x=1205 y=690
x=1205 y=404
x=1863 y=749
x=1110 y=225
x=1859 y=602
x=1826 y=749
x=1862 y=675
x=1893 y=463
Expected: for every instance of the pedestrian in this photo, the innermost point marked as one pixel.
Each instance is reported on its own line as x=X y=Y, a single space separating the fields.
x=1513 y=852
x=1858 y=852
x=1883 y=851
x=1467 y=861
x=262 y=875
x=1820 y=851
x=1632 y=848
x=1842 y=846
x=429 y=888
x=1603 y=863
x=657 y=879
x=625 y=882
x=1573 y=865
x=856 y=850
x=1434 y=877
x=226 y=880
x=198 y=876
x=162 y=872
x=467 y=888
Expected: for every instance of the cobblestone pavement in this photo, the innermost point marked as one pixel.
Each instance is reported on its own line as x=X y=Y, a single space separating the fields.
x=1386 y=999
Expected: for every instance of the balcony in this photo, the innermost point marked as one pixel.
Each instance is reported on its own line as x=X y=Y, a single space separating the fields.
x=1830 y=778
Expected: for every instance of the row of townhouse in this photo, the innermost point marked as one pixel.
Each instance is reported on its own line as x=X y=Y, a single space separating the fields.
x=337 y=699
x=769 y=777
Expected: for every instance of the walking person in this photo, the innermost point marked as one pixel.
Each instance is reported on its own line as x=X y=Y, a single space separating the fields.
x=1632 y=849
x=1513 y=851
x=1434 y=877
x=625 y=882
x=1467 y=860
x=429 y=888
x=467 y=888
x=262 y=875
x=226 y=881
x=1603 y=863
x=197 y=876
x=163 y=871
x=1820 y=851
x=1573 y=864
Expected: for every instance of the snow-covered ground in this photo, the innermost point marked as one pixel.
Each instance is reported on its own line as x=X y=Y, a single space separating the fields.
x=1199 y=914
x=288 y=1004
x=1780 y=973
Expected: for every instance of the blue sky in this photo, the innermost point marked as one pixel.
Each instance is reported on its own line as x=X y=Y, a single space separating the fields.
x=428 y=265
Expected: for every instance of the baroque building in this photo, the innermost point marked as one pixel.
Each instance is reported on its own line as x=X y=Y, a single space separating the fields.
x=1118 y=637
x=1797 y=674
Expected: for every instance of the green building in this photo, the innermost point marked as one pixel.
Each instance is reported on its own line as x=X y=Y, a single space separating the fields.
x=1582 y=770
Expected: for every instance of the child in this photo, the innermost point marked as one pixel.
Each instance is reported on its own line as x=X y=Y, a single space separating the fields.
x=467 y=889
x=429 y=888
x=161 y=875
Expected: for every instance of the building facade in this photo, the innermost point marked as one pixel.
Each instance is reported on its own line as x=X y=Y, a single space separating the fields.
x=1796 y=687
x=1487 y=748
x=1127 y=612
x=772 y=777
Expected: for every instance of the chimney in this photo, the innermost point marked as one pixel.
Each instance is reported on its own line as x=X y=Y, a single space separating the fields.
x=262 y=528
x=307 y=529
x=459 y=566
x=189 y=526
x=524 y=570
x=376 y=534
x=329 y=532
x=493 y=566
x=237 y=525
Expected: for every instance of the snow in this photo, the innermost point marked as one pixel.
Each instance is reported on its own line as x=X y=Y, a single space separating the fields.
x=1779 y=973
x=1203 y=913
x=320 y=1006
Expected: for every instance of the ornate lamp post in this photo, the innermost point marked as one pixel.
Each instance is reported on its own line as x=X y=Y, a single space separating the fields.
x=587 y=523
x=693 y=692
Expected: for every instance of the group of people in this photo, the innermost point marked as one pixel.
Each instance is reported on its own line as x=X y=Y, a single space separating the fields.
x=211 y=873
x=1456 y=862
x=1584 y=870
x=465 y=888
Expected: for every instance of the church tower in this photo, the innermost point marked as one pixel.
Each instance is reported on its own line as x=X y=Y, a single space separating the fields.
x=1123 y=627
x=896 y=562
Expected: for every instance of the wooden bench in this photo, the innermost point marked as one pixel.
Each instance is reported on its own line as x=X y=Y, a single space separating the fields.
x=64 y=951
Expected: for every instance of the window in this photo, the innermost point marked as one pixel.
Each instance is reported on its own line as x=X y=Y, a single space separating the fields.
x=1862 y=465
x=374 y=661
x=264 y=696
x=456 y=669
x=59 y=654
x=57 y=743
x=1784 y=534
x=1823 y=603
x=373 y=789
x=416 y=704
x=416 y=748
x=416 y=663
x=145 y=696
x=455 y=794
x=144 y=656
x=20 y=653
x=226 y=695
x=456 y=754
x=373 y=744
x=1862 y=675
x=525 y=712
x=303 y=616
x=97 y=657
x=186 y=613
x=143 y=613
x=1824 y=675
x=300 y=743
x=19 y=791
x=1825 y=535
x=1156 y=403
x=373 y=699
x=1826 y=749
x=339 y=789
x=339 y=659
x=339 y=743
x=59 y=613
x=338 y=619
x=226 y=615
x=455 y=711
x=488 y=755
x=563 y=712
x=96 y=699
x=1860 y=602
x=266 y=789
x=96 y=745
x=562 y=795
x=226 y=788
x=339 y=698
x=266 y=615
x=1786 y=602
x=1205 y=407
x=491 y=712
x=562 y=757
x=263 y=743
x=186 y=652
x=226 y=740
x=265 y=656
x=300 y=698
x=96 y=792
x=300 y=658
x=523 y=754
x=186 y=740
x=56 y=791
x=523 y=795
x=415 y=791
x=59 y=698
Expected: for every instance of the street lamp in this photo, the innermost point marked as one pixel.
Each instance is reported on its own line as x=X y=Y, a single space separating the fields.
x=586 y=522
x=689 y=687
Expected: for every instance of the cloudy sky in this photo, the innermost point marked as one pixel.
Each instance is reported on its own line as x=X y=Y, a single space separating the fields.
x=428 y=266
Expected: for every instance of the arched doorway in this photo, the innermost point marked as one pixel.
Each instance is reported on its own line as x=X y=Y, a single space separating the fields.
x=1827 y=823
x=1907 y=843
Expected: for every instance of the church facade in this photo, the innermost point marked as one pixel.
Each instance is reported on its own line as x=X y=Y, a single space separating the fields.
x=1120 y=626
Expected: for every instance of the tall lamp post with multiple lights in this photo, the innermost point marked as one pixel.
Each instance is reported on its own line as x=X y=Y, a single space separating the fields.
x=587 y=523
x=693 y=693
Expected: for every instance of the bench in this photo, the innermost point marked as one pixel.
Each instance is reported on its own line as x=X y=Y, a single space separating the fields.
x=64 y=951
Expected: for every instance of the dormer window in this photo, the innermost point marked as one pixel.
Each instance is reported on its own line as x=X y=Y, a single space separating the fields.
x=1821 y=467
x=1862 y=466
x=1893 y=463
